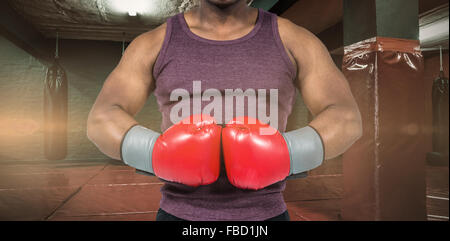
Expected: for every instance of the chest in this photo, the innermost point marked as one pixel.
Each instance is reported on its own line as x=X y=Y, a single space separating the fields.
x=225 y=68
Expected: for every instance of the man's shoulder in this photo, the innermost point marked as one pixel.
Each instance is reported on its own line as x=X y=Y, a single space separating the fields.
x=152 y=37
x=293 y=32
x=147 y=46
x=299 y=40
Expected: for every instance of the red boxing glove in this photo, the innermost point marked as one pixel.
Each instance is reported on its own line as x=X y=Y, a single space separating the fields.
x=189 y=152
x=254 y=161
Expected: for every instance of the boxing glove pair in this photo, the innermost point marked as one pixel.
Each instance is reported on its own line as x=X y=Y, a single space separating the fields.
x=189 y=152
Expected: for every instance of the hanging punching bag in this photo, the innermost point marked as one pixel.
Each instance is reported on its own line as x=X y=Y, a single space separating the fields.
x=55 y=112
x=440 y=102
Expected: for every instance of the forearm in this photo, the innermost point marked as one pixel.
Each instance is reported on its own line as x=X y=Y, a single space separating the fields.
x=339 y=127
x=107 y=128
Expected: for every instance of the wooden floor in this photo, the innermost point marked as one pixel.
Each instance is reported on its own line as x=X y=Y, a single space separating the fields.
x=107 y=190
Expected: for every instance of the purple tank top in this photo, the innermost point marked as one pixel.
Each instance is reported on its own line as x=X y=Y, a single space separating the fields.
x=256 y=61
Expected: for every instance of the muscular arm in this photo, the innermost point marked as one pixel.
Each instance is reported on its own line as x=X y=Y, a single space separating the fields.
x=124 y=93
x=324 y=88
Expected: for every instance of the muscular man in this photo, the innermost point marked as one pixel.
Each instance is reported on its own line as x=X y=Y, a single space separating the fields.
x=226 y=45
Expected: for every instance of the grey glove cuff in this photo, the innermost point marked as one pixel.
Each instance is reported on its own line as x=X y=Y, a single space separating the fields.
x=306 y=149
x=137 y=148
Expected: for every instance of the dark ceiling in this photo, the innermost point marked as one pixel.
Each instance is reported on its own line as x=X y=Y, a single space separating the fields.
x=95 y=19
x=107 y=20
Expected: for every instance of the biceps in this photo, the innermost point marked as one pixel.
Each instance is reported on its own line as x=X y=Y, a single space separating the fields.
x=126 y=89
x=323 y=87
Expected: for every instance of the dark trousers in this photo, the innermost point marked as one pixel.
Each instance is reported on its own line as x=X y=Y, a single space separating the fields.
x=164 y=216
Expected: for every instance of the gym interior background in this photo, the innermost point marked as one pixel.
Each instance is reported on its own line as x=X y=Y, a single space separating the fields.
x=83 y=184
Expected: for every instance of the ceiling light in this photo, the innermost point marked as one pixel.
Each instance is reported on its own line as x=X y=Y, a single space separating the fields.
x=132 y=7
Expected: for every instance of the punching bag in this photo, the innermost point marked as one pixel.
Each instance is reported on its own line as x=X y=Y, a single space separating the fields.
x=440 y=139
x=439 y=156
x=55 y=112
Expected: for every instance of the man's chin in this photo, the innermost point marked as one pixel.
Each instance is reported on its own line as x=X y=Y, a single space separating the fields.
x=223 y=3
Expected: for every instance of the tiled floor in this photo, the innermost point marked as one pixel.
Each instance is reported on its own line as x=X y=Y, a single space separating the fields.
x=108 y=190
x=437 y=193
x=101 y=190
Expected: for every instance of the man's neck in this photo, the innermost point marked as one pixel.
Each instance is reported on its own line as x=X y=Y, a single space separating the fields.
x=210 y=16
